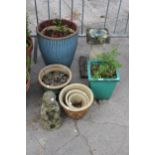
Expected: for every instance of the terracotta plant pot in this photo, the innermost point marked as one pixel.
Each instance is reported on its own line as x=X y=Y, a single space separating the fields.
x=76 y=113
x=28 y=82
x=30 y=47
x=50 y=68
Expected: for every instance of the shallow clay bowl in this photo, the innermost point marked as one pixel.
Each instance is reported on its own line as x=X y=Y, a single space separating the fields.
x=55 y=67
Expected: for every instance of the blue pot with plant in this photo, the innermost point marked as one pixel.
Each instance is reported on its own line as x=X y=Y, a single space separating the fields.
x=103 y=74
x=57 y=41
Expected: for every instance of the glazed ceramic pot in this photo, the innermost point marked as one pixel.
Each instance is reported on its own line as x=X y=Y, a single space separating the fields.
x=102 y=88
x=50 y=68
x=57 y=50
x=76 y=113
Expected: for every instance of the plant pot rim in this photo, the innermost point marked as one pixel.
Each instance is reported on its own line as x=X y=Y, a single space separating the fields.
x=28 y=49
x=60 y=38
x=91 y=99
x=72 y=93
x=75 y=91
x=51 y=67
x=90 y=78
x=82 y=97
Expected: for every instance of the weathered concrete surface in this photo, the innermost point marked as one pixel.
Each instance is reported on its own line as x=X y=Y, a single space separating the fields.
x=104 y=129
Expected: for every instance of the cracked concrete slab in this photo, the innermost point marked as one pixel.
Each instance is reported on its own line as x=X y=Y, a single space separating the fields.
x=76 y=146
x=52 y=141
x=109 y=112
x=33 y=143
x=102 y=131
x=105 y=138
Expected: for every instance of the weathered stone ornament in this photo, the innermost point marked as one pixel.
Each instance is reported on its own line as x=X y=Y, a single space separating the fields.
x=96 y=37
x=50 y=111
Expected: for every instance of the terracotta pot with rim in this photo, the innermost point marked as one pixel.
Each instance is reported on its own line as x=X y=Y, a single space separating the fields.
x=28 y=82
x=76 y=113
x=30 y=47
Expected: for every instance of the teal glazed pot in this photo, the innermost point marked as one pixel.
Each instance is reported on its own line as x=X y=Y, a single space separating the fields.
x=57 y=50
x=102 y=88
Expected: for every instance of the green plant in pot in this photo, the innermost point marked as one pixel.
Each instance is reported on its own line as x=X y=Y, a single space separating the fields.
x=29 y=43
x=103 y=74
x=57 y=39
x=28 y=63
x=57 y=30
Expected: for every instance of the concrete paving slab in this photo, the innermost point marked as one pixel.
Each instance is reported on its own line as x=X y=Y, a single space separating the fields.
x=103 y=139
x=33 y=147
x=76 y=146
x=102 y=131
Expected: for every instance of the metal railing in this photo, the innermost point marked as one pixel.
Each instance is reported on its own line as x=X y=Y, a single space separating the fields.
x=113 y=33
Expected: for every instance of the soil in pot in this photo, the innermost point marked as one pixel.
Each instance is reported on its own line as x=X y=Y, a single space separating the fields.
x=56 y=34
x=55 y=78
x=77 y=104
x=57 y=29
x=95 y=69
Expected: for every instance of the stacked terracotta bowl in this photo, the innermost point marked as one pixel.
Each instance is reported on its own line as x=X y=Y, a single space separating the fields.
x=76 y=99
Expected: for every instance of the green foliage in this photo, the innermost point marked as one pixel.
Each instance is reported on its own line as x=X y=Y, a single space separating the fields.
x=107 y=66
x=28 y=60
x=27 y=75
x=28 y=32
x=28 y=63
x=59 y=27
x=58 y=23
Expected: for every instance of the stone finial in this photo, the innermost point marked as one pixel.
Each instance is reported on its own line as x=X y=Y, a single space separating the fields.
x=97 y=36
x=50 y=111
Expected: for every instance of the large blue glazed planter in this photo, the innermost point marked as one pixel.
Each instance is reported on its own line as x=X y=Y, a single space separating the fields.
x=102 y=88
x=57 y=50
